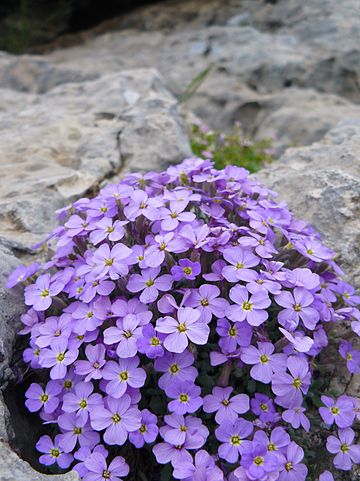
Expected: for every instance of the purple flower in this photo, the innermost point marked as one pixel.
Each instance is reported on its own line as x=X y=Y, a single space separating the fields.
x=52 y=452
x=251 y=309
x=150 y=284
x=186 y=270
x=227 y=408
x=264 y=360
x=176 y=455
x=46 y=398
x=233 y=335
x=326 y=476
x=185 y=328
x=154 y=255
x=100 y=471
x=232 y=436
x=75 y=429
x=179 y=429
x=54 y=328
x=340 y=411
x=258 y=461
x=21 y=274
x=263 y=406
x=111 y=263
x=300 y=343
x=314 y=250
x=206 y=300
x=290 y=465
x=118 y=418
x=278 y=442
x=290 y=387
x=91 y=368
x=150 y=342
x=296 y=418
x=240 y=261
x=125 y=335
x=202 y=469
x=141 y=204
x=351 y=355
x=58 y=357
x=40 y=294
x=107 y=229
x=263 y=247
x=346 y=452
x=123 y=374
x=148 y=431
x=186 y=397
x=297 y=307
x=82 y=400
x=301 y=277
x=176 y=367
x=175 y=214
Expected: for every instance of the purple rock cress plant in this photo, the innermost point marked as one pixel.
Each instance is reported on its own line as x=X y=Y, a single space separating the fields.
x=181 y=314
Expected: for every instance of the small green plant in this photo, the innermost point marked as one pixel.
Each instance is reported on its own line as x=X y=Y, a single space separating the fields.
x=234 y=148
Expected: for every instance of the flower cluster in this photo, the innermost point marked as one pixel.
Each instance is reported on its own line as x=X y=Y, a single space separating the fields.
x=179 y=316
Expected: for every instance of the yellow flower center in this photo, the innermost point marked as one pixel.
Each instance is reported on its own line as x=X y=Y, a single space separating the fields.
x=264 y=359
x=106 y=474
x=232 y=331
x=45 y=293
x=55 y=453
x=128 y=334
x=110 y=229
x=204 y=302
x=349 y=356
x=44 y=398
x=235 y=440
x=150 y=282
x=259 y=461
x=60 y=357
x=68 y=384
x=77 y=431
x=90 y=314
x=187 y=271
x=247 y=306
x=109 y=262
x=57 y=333
x=184 y=398
x=288 y=466
x=297 y=307
x=143 y=205
x=96 y=365
x=36 y=352
x=225 y=402
x=264 y=407
x=173 y=215
x=103 y=209
x=124 y=376
x=297 y=383
x=174 y=368
x=83 y=403
x=183 y=428
x=344 y=448
x=310 y=251
x=162 y=246
x=335 y=410
x=116 y=418
x=271 y=447
x=182 y=328
x=239 y=265
x=143 y=428
x=155 y=341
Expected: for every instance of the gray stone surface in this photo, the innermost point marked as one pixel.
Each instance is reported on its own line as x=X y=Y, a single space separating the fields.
x=321 y=183
x=14 y=468
x=73 y=118
x=59 y=145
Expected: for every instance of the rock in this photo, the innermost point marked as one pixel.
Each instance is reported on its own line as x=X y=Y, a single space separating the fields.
x=70 y=139
x=12 y=306
x=321 y=183
x=15 y=468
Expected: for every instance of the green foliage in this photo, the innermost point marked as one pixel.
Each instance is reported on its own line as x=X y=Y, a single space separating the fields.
x=230 y=149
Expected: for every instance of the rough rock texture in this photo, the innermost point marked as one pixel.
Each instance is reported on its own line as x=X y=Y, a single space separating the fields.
x=321 y=183
x=73 y=118
x=62 y=144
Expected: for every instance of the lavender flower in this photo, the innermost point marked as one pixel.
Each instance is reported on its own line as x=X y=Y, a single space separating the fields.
x=346 y=452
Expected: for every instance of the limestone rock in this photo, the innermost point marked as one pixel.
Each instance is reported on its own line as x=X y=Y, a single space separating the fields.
x=321 y=183
x=61 y=144
x=14 y=468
